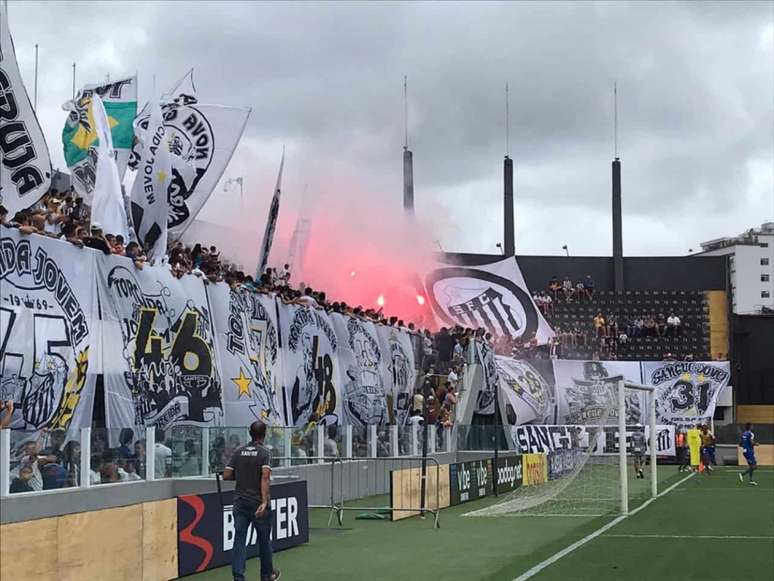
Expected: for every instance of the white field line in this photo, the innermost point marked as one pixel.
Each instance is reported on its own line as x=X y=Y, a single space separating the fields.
x=723 y=537
x=603 y=529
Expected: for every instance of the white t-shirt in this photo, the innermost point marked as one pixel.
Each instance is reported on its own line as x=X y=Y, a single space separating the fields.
x=673 y=321
x=453 y=378
x=163 y=458
x=418 y=402
x=414 y=420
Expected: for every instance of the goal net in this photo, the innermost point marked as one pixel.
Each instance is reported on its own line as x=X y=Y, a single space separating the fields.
x=585 y=470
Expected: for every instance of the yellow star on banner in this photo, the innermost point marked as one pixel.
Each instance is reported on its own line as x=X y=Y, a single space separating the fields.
x=700 y=377
x=686 y=376
x=83 y=137
x=162 y=175
x=243 y=383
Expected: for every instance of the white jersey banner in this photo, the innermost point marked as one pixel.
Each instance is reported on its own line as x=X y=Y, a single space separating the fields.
x=25 y=172
x=492 y=296
x=686 y=391
x=361 y=361
x=310 y=357
x=159 y=357
x=247 y=345
x=587 y=391
x=47 y=310
x=202 y=140
x=401 y=371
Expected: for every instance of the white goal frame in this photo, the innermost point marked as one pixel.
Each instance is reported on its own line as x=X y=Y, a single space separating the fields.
x=622 y=463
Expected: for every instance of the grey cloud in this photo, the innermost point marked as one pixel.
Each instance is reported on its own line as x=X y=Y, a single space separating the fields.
x=695 y=104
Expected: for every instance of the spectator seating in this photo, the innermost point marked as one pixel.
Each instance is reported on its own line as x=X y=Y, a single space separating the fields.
x=690 y=306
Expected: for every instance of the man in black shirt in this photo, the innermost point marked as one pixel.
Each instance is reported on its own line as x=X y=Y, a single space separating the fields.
x=250 y=466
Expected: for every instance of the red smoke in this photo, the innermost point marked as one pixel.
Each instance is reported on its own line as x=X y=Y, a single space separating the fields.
x=362 y=249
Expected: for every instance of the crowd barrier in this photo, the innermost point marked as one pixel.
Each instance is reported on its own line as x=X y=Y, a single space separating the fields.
x=100 y=456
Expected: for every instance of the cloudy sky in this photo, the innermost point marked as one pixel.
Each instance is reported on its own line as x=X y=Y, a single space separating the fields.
x=696 y=101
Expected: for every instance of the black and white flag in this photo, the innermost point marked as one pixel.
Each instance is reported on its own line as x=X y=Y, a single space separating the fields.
x=492 y=296
x=150 y=202
x=25 y=174
x=271 y=223
x=202 y=140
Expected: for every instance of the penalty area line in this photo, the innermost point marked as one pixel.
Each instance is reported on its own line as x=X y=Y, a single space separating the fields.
x=600 y=531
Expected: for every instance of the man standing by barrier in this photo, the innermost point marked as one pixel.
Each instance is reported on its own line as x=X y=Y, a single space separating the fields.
x=250 y=466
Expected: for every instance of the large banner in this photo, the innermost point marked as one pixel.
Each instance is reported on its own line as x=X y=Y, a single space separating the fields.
x=205 y=526
x=46 y=321
x=587 y=391
x=25 y=175
x=310 y=360
x=528 y=387
x=247 y=344
x=493 y=296
x=203 y=139
x=401 y=371
x=159 y=356
x=686 y=391
x=543 y=439
x=79 y=136
x=363 y=370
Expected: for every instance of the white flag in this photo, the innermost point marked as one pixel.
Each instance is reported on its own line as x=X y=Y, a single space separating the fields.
x=25 y=171
x=492 y=296
x=271 y=223
x=108 y=205
x=202 y=138
x=150 y=202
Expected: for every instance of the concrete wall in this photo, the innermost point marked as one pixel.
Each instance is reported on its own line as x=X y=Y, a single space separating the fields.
x=698 y=273
x=351 y=480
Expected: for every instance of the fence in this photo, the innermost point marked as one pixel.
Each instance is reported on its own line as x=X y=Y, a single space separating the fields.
x=34 y=462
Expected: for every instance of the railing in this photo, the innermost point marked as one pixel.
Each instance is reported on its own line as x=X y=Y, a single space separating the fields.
x=34 y=462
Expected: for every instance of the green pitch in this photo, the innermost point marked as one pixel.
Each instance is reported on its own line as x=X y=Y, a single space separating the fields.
x=707 y=528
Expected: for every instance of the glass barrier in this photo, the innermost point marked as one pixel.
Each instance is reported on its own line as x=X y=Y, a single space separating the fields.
x=185 y=445
x=360 y=442
x=303 y=442
x=334 y=441
x=43 y=460
x=117 y=455
x=383 y=444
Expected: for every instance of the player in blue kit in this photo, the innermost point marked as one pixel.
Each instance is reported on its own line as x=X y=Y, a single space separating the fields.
x=748 y=450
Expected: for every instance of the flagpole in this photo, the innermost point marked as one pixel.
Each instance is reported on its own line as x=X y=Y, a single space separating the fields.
x=73 y=80
x=35 y=99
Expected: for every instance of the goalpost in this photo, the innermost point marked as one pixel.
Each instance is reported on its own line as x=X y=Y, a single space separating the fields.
x=622 y=446
x=582 y=474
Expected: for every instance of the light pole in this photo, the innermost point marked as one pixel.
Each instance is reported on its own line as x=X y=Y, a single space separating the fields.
x=566 y=250
x=500 y=246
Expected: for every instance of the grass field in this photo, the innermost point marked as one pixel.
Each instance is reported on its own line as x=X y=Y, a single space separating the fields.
x=706 y=528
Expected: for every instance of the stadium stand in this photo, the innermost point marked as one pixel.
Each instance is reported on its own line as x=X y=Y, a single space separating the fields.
x=623 y=308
